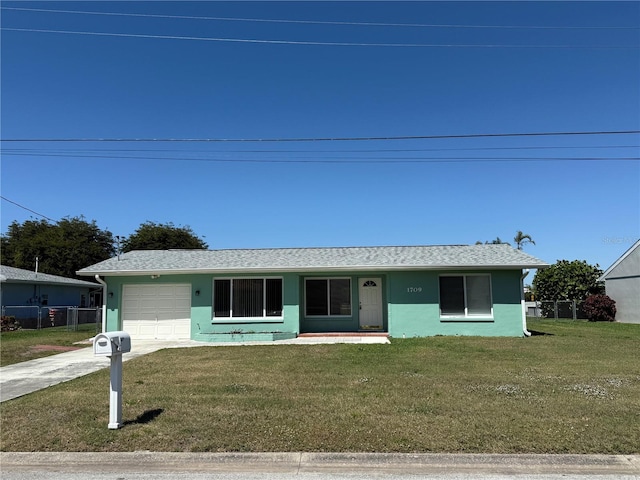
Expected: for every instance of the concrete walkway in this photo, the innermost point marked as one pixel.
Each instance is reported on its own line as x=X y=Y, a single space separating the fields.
x=27 y=377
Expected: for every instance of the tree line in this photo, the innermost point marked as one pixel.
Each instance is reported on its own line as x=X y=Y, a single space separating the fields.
x=66 y=246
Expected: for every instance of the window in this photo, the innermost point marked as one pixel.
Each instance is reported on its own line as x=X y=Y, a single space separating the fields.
x=247 y=297
x=328 y=297
x=465 y=296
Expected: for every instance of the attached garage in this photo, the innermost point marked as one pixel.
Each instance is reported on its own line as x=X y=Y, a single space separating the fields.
x=157 y=311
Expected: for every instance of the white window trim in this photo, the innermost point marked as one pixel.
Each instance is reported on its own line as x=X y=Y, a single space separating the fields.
x=328 y=315
x=231 y=319
x=467 y=316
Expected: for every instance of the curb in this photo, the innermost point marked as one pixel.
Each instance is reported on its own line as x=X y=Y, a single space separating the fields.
x=301 y=462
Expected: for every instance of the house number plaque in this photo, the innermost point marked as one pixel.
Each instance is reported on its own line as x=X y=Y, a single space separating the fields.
x=414 y=289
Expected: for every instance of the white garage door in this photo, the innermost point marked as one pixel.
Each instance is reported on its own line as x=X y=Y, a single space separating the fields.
x=157 y=311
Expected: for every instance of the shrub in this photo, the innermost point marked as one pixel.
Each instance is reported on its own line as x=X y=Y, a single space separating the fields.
x=600 y=308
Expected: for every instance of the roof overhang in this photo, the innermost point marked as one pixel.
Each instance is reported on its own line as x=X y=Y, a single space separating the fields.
x=314 y=269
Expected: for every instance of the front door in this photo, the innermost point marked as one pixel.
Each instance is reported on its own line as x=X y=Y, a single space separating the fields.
x=370 y=313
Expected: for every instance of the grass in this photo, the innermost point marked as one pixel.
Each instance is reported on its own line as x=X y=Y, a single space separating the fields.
x=19 y=345
x=574 y=390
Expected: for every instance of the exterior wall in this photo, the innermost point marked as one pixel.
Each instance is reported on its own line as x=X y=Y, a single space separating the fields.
x=115 y=292
x=626 y=293
x=623 y=285
x=289 y=323
x=410 y=304
x=341 y=323
x=203 y=326
x=15 y=294
x=414 y=306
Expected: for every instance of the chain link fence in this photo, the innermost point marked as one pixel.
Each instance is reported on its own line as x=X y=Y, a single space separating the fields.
x=35 y=318
x=566 y=309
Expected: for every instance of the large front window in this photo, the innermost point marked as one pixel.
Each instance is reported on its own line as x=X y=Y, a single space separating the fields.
x=327 y=297
x=465 y=296
x=247 y=297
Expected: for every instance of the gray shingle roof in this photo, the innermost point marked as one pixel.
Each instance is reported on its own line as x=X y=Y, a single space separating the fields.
x=19 y=275
x=315 y=259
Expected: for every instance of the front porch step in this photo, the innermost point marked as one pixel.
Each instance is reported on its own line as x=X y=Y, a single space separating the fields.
x=345 y=334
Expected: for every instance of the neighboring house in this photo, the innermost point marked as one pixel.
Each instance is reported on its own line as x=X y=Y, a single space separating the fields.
x=20 y=287
x=533 y=309
x=28 y=295
x=218 y=295
x=622 y=284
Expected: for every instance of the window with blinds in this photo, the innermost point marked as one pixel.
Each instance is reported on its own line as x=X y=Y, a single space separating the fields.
x=247 y=297
x=465 y=296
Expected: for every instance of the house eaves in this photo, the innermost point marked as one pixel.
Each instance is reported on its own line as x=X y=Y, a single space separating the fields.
x=308 y=260
x=609 y=270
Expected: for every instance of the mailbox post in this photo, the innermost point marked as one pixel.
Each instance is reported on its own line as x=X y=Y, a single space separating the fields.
x=113 y=345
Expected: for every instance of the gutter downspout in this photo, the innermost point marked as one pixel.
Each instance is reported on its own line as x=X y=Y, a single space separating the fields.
x=104 y=302
x=526 y=332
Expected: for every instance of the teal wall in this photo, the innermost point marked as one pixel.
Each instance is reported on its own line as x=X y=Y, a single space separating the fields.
x=341 y=323
x=199 y=308
x=414 y=306
x=202 y=322
x=410 y=305
x=288 y=324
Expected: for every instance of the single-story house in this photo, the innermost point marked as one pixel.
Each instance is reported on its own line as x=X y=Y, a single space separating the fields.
x=622 y=284
x=407 y=291
x=24 y=288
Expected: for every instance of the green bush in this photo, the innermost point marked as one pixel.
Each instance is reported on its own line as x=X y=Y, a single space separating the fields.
x=600 y=308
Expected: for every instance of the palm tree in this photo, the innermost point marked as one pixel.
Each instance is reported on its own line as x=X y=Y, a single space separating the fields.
x=522 y=239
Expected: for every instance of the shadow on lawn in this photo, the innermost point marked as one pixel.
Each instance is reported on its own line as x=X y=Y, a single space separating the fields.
x=535 y=333
x=146 y=417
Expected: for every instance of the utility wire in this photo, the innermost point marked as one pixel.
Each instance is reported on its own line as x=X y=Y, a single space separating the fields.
x=326 y=44
x=28 y=209
x=377 y=150
x=319 y=22
x=325 y=139
x=343 y=160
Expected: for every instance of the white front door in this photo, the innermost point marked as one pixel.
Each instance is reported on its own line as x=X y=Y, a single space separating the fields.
x=157 y=311
x=370 y=313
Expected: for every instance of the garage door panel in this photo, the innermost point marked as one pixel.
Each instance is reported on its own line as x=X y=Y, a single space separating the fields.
x=182 y=304
x=157 y=311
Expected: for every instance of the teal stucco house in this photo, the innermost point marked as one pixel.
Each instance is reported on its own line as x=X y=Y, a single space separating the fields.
x=230 y=295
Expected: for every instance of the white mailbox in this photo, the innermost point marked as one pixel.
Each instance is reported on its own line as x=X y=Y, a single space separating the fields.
x=112 y=343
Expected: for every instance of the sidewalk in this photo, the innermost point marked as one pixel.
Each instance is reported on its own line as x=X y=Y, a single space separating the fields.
x=27 y=377
x=323 y=463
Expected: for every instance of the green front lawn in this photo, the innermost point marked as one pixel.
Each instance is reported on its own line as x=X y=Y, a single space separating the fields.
x=21 y=345
x=574 y=390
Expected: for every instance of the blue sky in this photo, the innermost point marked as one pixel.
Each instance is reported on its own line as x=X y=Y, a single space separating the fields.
x=132 y=82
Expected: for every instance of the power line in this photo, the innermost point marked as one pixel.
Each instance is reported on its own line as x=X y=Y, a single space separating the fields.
x=320 y=22
x=376 y=150
x=340 y=160
x=323 y=139
x=28 y=209
x=326 y=44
